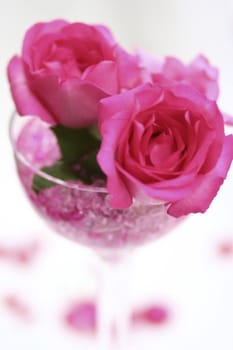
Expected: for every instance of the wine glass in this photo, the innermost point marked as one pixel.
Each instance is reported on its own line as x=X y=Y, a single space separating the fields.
x=82 y=213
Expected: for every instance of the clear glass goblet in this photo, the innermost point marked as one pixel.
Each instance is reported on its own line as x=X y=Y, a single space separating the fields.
x=82 y=213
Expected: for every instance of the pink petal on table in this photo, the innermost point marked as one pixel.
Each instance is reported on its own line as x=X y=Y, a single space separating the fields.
x=151 y=315
x=22 y=255
x=82 y=317
x=225 y=248
x=18 y=307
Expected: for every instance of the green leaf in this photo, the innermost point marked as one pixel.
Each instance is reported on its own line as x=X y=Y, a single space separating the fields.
x=74 y=143
x=89 y=169
x=78 y=148
x=59 y=170
x=93 y=129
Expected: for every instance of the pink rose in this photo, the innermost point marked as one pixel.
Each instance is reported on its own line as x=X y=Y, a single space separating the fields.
x=199 y=73
x=65 y=69
x=164 y=141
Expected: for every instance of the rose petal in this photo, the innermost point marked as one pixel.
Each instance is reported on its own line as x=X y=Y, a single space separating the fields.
x=209 y=184
x=74 y=103
x=129 y=71
x=119 y=195
x=110 y=106
x=106 y=34
x=167 y=190
x=37 y=31
x=147 y=98
x=25 y=100
x=207 y=79
x=149 y=65
x=198 y=74
x=94 y=74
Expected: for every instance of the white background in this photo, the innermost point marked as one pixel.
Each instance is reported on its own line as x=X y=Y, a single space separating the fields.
x=184 y=270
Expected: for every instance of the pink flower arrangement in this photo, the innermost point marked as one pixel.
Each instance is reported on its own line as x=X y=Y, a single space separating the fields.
x=66 y=69
x=158 y=132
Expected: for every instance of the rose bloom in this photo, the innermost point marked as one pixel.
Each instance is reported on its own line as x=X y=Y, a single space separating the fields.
x=65 y=69
x=198 y=73
x=166 y=142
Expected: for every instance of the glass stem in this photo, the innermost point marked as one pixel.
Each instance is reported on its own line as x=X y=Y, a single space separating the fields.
x=113 y=305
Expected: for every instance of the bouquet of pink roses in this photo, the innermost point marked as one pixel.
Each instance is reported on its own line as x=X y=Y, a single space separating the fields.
x=149 y=128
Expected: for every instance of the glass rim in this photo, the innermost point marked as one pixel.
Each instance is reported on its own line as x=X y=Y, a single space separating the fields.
x=81 y=187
